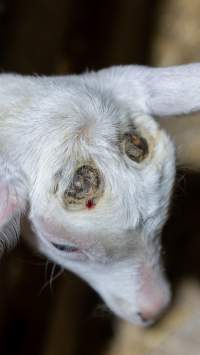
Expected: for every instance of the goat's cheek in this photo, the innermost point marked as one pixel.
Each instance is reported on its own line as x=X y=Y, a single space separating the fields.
x=47 y=228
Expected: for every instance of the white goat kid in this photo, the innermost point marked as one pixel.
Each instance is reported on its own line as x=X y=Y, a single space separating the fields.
x=83 y=158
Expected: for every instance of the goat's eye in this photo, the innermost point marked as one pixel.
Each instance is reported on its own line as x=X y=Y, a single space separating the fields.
x=135 y=146
x=84 y=188
x=66 y=248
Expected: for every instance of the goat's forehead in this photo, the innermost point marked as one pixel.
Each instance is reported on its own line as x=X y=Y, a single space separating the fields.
x=96 y=125
x=77 y=108
x=134 y=194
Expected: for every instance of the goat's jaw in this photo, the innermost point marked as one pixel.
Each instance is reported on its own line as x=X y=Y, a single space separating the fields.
x=142 y=305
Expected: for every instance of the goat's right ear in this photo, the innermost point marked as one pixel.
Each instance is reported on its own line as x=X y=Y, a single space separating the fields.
x=12 y=201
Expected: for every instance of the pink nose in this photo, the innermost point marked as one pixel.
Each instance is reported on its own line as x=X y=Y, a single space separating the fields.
x=152 y=309
x=154 y=296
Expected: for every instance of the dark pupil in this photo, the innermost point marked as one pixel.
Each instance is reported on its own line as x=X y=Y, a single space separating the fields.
x=67 y=248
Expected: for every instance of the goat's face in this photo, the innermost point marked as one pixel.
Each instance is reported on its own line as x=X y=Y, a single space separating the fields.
x=97 y=173
x=99 y=200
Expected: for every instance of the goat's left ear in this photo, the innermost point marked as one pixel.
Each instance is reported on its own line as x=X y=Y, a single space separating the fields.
x=13 y=199
x=173 y=90
x=159 y=91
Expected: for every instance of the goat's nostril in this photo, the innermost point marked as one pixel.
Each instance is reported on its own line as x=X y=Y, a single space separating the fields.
x=149 y=314
x=143 y=317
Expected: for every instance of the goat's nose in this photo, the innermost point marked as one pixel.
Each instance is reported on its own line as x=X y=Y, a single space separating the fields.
x=147 y=315
x=150 y=309
x=154 y=295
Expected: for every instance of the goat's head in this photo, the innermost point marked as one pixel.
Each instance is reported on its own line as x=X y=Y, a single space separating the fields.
x=99 y=174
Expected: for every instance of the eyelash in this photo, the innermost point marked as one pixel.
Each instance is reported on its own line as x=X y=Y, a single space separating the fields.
x=66 y=248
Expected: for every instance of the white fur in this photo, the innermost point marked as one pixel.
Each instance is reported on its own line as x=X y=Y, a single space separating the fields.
x=47 y=125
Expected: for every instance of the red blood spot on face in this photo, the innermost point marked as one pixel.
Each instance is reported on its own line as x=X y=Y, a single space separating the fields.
x=90 y=204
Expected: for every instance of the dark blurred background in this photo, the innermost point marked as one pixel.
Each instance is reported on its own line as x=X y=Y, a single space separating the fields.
x=40 y=315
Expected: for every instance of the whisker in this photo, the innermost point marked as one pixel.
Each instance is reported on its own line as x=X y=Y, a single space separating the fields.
x=46 y=270
x=52 y=277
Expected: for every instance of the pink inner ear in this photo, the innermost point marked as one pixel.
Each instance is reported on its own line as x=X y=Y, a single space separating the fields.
x=8 y=203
